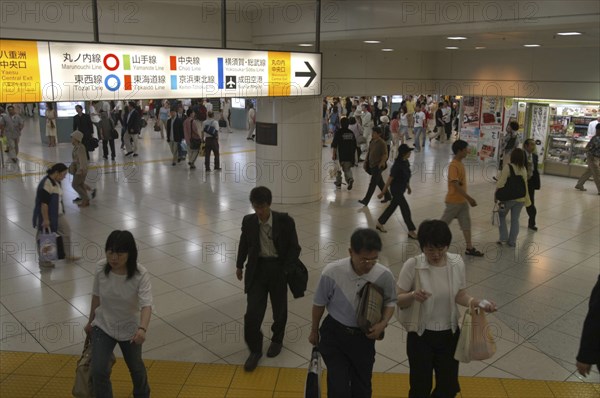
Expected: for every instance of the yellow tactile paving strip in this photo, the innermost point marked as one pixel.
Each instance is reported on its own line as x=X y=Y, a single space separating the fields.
x=24 y=375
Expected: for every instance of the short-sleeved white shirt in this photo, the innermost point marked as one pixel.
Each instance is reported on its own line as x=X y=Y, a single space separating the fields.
x=120 y=301
x=339 y=286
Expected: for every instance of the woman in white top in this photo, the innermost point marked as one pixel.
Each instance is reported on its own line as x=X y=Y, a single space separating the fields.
x=518 y=162
x=403 y=125
x=51 y=124
x=442 y=277
x=120 y=314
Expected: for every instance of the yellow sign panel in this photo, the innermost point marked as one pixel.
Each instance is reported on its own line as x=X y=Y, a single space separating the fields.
x=19 y=71
x=280 y=73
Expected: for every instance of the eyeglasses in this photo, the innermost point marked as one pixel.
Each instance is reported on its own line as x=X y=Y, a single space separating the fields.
x=367 y=261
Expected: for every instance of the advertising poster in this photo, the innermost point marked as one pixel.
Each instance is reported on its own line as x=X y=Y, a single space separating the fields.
x=491 y=111
x=471 y=136
x=489 y=140
x=55 y=71
x=539 y=128
x=471 y=107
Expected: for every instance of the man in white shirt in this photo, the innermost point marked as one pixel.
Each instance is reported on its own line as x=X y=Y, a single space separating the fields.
x=592 y=127
x=419 y=125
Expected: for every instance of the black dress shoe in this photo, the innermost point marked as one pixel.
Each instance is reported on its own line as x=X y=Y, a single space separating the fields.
x=362 y=202
x=533 y=228
x=252 y=361
x=385 y=200
x=274 y=349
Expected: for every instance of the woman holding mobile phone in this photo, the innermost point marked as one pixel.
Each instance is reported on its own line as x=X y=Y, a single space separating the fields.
x=442 y=286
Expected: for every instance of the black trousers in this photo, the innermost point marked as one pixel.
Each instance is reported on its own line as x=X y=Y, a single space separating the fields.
x=398 y=200
x=531 y=210
x=433 y=351
x=211 y=145
x=376 y=181
x=105 y=144
x=349 y=356
x=269 y=280
x=448 y=130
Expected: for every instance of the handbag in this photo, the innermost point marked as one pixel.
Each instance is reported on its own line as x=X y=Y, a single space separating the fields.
x=513 y=189
x=476 y=341
x=370 y=306
x=410 y=317
x=83 y=386
x=312 y=387
x=297 y=279
x=195 y=144
x=48 y=245
x=157 y=127
x=114 y=134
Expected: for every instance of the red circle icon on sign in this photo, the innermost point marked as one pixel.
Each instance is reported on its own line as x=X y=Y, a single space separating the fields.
x=111 y=56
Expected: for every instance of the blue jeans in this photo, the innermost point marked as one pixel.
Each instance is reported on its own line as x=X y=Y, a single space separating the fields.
x=102 y=346
x=419 y=138
x=515 y=211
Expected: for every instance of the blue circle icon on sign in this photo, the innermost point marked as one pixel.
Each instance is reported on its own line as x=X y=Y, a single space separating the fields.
x=116 y=84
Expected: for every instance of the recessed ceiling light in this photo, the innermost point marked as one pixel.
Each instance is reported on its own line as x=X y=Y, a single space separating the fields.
x=456 y=38
x=531 y=45
x=305 y=45
x=480 y=48
x=568 y=33
x=451 y=48
x=387 y=49
x=372 y=41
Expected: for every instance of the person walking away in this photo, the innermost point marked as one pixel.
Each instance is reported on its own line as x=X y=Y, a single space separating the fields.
x=106 y=127
x=210 y=136
x=174 y=135
x=398 y=182
x=432 y=346
x=79 y=169
x=533 y=180
x=343 y=148
x=348 y=351
x=395 y=130
x=268 y=246
x=51 y=131
x=592 y=150
x=518 y=164
x=120 y=314
x=457 y=198
x=374 y=164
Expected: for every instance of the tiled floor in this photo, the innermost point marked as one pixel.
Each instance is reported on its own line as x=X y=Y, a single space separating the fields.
x=187 y=224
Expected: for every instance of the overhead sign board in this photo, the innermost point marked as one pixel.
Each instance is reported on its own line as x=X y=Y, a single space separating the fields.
x=55 y=71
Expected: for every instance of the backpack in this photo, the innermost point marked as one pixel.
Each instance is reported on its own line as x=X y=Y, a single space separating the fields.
x=91 y=144
x=210 y=130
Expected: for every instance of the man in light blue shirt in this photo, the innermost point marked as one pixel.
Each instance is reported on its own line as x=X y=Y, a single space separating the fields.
x=348 y=352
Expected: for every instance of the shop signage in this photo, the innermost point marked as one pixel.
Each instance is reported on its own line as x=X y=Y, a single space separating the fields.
x=33 y=71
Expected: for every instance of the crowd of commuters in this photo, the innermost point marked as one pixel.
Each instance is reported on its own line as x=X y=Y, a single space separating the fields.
x=269 y=247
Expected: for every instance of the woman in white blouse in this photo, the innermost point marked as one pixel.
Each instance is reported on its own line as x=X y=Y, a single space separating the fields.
x=120 y=314
x=431 y=346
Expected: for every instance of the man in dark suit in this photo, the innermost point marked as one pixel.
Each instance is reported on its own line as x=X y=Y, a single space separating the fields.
x=133 y=128
x=174 y=135
x=270 y=244
x=589 y=349
x=533 y=180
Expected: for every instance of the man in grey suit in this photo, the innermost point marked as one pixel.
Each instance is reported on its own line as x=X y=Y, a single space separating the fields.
x=269 y=243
